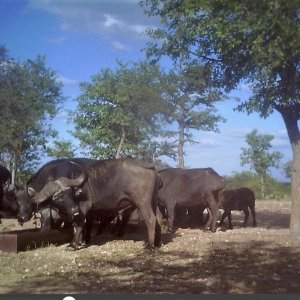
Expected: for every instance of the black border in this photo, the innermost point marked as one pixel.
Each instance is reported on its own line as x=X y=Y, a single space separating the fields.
x=154 y=296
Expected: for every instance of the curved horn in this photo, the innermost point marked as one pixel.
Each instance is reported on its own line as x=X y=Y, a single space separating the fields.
x=46 y=192
x=57 y=186
x=65 y=182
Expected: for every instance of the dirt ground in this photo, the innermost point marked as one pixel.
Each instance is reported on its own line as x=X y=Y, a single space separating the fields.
x=243 y=260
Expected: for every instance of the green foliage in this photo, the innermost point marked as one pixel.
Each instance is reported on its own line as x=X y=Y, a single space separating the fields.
x=287 y=168
x=254 y=40
x=119 y=110
x=257 y=41
x=151 y=150
x=29 y=95
x=61 y=149
x=257 y=155
x=274 y=189
x=190 y=97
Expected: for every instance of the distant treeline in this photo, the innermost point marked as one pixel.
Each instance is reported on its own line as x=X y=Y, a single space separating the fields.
x=274 y=189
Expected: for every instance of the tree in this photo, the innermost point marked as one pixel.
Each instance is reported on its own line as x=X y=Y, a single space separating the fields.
x=287 y=169
x=119 y=109
x=29 y=95
x=254 y=41
x=258 y=156
x=61 y=149
x=191 y=96
x=274 y=189
x=151 y=150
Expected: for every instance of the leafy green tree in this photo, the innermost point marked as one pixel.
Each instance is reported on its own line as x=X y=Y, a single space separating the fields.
x=61 y=149
x=250 y=40
x=151 y=150
x=287 y=168
x=29 y=95
x=258 y=156
x=119 y=109
x=190 y=96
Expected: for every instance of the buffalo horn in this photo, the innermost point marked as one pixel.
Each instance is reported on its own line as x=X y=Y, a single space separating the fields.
x=57 y=186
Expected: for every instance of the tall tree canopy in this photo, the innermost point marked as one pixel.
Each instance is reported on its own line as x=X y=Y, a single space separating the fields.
x=118 y=109
x=253 y=40
x=191 y=97
x=61 y=149
x=29 y=95
x=259 y=157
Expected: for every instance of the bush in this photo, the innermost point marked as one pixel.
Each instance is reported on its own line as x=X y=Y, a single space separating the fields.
x=274 y=189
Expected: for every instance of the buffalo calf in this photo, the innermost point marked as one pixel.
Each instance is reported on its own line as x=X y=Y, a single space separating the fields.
x=241 y=199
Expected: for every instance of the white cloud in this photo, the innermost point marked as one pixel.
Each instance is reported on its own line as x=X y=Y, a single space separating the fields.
x=140 y=29
x=281 y=140
x=282 y=134
x=209 y=143
x=66 y=81
x=111 y=21
x=57 y=41
x=119 y=46
x=117 y=19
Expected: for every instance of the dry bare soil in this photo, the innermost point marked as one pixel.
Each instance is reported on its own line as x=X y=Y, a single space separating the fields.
x=242 y=260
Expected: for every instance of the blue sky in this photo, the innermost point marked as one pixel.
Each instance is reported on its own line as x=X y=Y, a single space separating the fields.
x=81 y=37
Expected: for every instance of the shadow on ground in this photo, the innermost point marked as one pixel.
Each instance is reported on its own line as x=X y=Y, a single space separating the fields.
x=252 y=267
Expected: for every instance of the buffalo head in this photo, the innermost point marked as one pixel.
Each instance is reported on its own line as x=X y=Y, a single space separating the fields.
x=25 y=206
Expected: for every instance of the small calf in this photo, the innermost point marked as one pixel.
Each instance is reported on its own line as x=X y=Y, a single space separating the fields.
x=238 y=199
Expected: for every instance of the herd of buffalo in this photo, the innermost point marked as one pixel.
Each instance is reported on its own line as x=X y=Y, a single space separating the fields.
x=82 y=192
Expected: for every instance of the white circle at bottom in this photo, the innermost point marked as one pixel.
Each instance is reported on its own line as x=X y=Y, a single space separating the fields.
x=69 y=298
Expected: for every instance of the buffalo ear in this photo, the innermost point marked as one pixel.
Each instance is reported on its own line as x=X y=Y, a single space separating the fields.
x=31 y=191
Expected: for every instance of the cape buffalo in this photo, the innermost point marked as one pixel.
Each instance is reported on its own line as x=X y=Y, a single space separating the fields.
x=52 y=213
x=188 y=188
x=5 y=180
x=7 y=203
x=111 y=185
x=237 y=199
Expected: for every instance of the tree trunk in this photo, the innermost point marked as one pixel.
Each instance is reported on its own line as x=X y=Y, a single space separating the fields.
x=290 y=118
x=180 y=147
x=262 y=186
x=121 y=143
x=13 y=169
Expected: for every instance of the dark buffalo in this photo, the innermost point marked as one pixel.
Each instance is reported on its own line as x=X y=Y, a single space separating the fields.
x=241 y=199
x=103 y=219
x=5 y=180
x=8 y=205
x=192 y=217
x=190 y=188
x=111 y=185
x=7 y=199
x=52 y=213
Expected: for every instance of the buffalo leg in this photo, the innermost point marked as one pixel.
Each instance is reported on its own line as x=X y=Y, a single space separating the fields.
x=171 y=214
x=214 y=211
x=122 y=221
x=88 y=227
x=79 y=223
x=120 y=227
x=229 y=220
x=246 y=212
x=159 y=215
x=105 y=220
x=157 y=240
x=150 y=221
x=224 y=215
x=209 y=219
x=252 y=209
